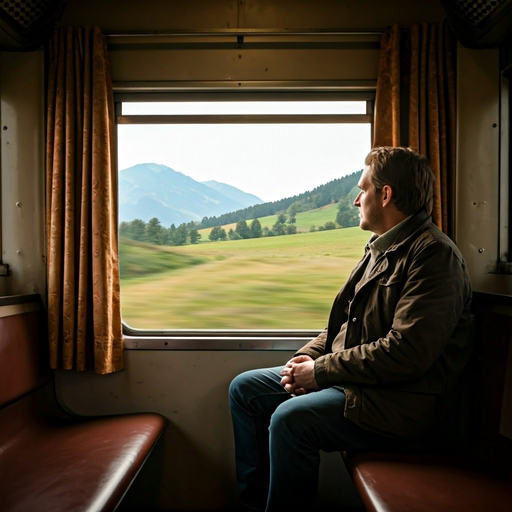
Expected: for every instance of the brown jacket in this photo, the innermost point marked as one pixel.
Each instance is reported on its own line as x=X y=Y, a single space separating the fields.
x=407 y=337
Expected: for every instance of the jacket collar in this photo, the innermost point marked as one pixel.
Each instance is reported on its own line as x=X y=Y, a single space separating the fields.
x=417 y=222
x=410 y=228
x=380 y=244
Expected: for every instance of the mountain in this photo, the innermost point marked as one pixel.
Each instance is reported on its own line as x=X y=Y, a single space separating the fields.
x=233 y=193
x=153 y=190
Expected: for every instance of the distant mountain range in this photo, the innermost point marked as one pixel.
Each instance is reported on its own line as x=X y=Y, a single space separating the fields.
x=153 y=190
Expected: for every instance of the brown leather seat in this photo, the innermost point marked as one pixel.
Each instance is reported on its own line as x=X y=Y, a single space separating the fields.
x=423 y=483
x=53 y=460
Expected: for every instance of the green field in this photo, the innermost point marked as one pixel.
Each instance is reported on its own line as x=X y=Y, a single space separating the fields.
x=285 y=282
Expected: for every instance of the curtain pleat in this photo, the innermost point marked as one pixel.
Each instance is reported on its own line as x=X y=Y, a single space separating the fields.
x=387 y=98
x=84 y=317
x=427 y=88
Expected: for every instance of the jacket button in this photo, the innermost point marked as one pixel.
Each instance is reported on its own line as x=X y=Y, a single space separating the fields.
x=354 y=319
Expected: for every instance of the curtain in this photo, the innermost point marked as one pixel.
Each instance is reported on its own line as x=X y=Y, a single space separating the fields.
x=84 y=317
x=415 y=104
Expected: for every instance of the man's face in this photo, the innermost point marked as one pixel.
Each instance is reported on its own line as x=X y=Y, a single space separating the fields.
x=370 y=205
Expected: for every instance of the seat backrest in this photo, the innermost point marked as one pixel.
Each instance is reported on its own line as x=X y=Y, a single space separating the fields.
x=492 y=437
x=24 y=363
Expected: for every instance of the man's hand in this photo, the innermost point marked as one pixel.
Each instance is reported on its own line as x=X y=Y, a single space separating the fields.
x=299 y=375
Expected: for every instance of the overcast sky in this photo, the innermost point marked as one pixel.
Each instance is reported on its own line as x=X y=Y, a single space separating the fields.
x=270 y=161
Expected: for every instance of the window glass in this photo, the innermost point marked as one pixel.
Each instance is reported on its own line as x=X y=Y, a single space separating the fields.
x=237 y=226
x=244 y=107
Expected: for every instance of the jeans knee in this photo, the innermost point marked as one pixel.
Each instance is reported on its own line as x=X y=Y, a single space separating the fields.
x=234 y=388
x=286 y=418
x=239 y=386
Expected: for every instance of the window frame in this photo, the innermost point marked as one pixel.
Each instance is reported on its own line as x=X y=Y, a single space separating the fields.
x=235 y=339
x=505 y=182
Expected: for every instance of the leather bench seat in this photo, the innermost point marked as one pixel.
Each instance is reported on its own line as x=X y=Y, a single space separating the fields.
x=50 y=459
x=425 y=483
x=66 y=463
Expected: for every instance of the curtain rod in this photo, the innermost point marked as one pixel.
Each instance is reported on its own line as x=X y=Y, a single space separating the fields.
x=242 y=32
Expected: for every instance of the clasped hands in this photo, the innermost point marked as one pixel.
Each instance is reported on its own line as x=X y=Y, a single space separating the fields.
x=299 y=375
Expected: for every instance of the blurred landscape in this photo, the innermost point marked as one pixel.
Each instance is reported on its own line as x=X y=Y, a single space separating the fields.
x=282 y=282
x=272 y=265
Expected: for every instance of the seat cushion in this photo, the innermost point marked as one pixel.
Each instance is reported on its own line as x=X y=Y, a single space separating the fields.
x=423 y=483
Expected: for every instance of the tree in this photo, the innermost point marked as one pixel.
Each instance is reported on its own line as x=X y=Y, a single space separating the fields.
x=243 y=229
x=215 y=233
x=256 y=230
x=194 y=236
x=154 y=231
x=348 y=215
x=165 y=236
x=180 y=235
x=291 y=229
x=281 y=218
x=293 y=209
x=330 y=225
x=170 y=236
x=279 y=228
x=124 y=229
x=222 y=234
x=233 y=235
x=138 y=229
x=292 y=219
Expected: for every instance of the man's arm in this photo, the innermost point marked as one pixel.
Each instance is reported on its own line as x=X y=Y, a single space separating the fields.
x=314 y=348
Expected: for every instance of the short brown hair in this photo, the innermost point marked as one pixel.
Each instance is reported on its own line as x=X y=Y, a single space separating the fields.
x=407 y=173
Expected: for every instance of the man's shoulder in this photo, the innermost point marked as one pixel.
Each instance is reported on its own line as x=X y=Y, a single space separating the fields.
x=430 y=236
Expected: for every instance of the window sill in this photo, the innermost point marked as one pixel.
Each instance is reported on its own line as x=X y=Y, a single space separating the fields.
x=211 y=340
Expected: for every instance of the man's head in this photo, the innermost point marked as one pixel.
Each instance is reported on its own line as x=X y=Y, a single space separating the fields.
x=396 y=183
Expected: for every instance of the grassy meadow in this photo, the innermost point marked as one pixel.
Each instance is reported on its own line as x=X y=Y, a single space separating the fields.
x=280 y=282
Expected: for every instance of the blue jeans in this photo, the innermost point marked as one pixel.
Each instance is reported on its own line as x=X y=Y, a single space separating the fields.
x=278 y=438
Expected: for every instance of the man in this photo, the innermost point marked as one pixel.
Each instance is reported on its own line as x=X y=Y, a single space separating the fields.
x=386 y=373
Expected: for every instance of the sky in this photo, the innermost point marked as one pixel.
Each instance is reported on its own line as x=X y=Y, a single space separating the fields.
x=271 y=161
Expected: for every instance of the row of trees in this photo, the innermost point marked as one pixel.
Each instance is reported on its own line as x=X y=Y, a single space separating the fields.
x=283 y=226
x=153 y=232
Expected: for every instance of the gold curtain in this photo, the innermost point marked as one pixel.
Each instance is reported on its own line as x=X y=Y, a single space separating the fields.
x=84 y=317
x=416 y=105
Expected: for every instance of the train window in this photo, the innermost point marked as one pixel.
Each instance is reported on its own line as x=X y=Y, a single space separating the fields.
x=236 y=215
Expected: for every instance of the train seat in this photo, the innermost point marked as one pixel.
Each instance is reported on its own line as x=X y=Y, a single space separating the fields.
x=389 y=482
x=51 y=459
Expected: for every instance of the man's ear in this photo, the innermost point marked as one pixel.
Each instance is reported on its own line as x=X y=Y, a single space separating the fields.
x=387 y=195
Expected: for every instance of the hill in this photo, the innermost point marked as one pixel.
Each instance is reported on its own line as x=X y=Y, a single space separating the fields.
x=152 y=190
x=233 y=193
x=320 y=196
